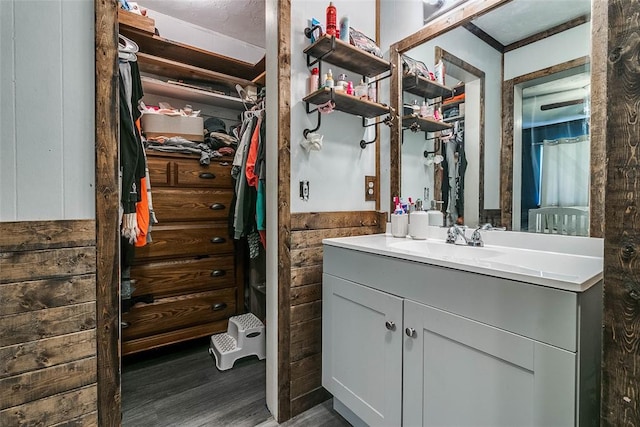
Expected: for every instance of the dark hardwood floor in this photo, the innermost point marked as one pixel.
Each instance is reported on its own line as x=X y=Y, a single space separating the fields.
x=180 y=386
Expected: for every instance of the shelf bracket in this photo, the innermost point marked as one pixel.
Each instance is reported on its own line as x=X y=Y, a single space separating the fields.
x=386 y=121
x=308 y=32
x=435 y=150
x=306 y=132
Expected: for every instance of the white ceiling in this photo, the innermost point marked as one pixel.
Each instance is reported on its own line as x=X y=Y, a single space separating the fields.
x=520 y=19
x=240 y=19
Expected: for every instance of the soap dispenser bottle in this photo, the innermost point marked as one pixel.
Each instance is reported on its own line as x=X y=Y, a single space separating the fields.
x=435 y=217
x=419 y=222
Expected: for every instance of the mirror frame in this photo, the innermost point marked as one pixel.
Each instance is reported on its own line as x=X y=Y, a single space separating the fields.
x=461 y=15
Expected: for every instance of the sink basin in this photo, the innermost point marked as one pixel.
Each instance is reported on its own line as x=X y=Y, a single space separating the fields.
x=531 y=263
x=445 y=251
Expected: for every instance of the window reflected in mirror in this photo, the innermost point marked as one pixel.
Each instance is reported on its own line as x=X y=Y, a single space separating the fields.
x=555 y=153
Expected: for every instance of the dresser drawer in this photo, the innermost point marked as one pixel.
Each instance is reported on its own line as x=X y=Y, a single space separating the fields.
x=186 y=240
x=169 y=314
x=191 y=173
x=159 y=172
x=191 y=204
x=169 y=278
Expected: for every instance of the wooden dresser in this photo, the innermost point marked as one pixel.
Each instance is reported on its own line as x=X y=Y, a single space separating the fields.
x=190 y=269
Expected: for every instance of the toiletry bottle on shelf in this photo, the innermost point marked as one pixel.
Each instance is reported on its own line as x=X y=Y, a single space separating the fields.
x=344 y=29
x=416 y=107
x=313 y=81
x=341 y=83
x=360 y=91
x=424 y=109
x=350 y=88
x=328 y=82
x=331 y=19
x=372 y=92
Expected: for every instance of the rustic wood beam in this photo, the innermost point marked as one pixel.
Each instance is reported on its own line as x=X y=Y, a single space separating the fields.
x=107 y=239
x=621 y=317
x=547 y=33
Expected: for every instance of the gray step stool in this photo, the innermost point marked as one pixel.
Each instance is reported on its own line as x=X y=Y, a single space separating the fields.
x=245 y=336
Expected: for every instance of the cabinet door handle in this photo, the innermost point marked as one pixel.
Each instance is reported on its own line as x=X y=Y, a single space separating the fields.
x=219 y=306
x=207 y=175
x=218 y=273
x=411 y=333
x=217 y=207
x=218 y=240
x=390 y=325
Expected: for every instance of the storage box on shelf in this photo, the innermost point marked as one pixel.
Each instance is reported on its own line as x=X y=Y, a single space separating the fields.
x=190 y=269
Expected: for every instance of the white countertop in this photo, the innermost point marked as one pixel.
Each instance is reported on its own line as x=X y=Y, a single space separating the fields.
x=561 y=262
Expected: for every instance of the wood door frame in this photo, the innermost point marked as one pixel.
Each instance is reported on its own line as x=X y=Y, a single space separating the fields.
x=107 y=201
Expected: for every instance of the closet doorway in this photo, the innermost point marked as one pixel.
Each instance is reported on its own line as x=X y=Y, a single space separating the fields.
x=205 y=263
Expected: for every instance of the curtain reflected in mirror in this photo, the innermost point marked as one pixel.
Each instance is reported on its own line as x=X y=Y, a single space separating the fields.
x=554 y=196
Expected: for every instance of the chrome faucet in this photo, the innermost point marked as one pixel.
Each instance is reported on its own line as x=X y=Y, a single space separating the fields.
x=456 y=231
x=476 y=237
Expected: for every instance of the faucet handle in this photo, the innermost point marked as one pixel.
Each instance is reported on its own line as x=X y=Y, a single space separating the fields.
x=476 y=239
x=452 y=234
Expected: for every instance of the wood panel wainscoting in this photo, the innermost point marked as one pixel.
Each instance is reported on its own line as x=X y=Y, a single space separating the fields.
x=48 y=323
x=305 y=304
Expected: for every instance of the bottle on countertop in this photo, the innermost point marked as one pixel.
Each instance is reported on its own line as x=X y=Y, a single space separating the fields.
x=435 y=217
x=313 y=81
x=418 y=222
x=331 y=20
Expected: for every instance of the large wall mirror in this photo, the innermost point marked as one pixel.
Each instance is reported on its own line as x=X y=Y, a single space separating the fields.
x=517 y=149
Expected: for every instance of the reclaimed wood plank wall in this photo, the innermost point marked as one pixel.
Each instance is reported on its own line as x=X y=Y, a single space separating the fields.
x=305 y=303
x=48 y=323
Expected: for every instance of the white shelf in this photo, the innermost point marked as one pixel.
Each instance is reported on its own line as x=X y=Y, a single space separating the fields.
x=158 y=87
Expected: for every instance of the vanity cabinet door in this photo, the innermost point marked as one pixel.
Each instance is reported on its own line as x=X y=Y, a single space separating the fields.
x=459 y=372
x=362 y=350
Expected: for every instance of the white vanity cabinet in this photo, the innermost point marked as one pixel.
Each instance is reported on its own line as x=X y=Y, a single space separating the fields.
x=459 y=372
x=464 y=349
x=362 y=350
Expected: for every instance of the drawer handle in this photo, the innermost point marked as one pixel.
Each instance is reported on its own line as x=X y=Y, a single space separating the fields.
x=219 y=306
x=218 y=240
x=390 y=325
x=218 y=273
x=217 y=207
x=411 y=333
x=207 y=175
x=124 y=325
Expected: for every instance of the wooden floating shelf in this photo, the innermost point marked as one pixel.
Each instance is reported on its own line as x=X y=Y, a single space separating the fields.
x=347 y=56
x=425 y=88
x=134 y=21
x=347 y=103
x=191 y=55
x=158 y=87
x=180 y=71
x=426 y=125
